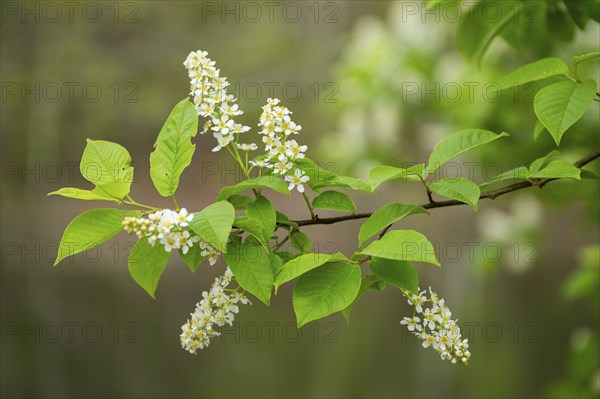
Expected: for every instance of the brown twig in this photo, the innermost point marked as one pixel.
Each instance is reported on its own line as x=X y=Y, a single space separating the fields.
x=442 y=204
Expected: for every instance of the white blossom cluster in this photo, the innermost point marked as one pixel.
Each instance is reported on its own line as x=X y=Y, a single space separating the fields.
x=281 y=151
x=216 y=309
x=435 y=328
x=170 y=229
x=209 y=92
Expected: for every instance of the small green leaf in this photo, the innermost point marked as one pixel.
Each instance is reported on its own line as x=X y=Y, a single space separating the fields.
x=301 y=242
x=558 y=169
x=213 y=224
x=344 y=182
x=334 y=200
x=585 y=57
x=302 y=264
x=262 y=210
x=559 y=105
x=147 y=263
x=457 y=143
x=401 y=274
x=239 y=201
x=272 y=182
x=325 y=290
x=276 y=263
x=405 y=245
x=532 y=72
x=87 y=195
x=370 y=282
x=538 y=129
x=193 y=258
x=459 y=189
x=383 y=217
x=250 y=225
x=380 y=174
x=317 y=175
x=520 y=173
x=541 y=162
x=173 y=149
x=107 y=165
x=251 y=266
x=91 y=228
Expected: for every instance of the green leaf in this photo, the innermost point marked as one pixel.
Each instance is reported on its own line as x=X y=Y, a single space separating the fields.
x=87 y=195
x=107 y=165
x=401 y=274
x=251 y=266
x=91 y=228
x=193 y=258
x=457 y=143
x=537 y=70
x=301 y=242
x=239 y=201
x=262 y=210
x=250 y=225
x=272 y=182
x=558 y=169
x=343 y=182
x=476 y=30
x=559 y=105
x=405 y=245
x=334 y=200
x=302 y=264
x=380 y=174
x=276 y=263
x=538 y=129
x=383 y=217
x=520 y=173
x=324 y=291
x=354 y=183
x=146 y=264
x=213 y=224
x=173 y=149
x=284 y=221
x=585 y=57
x=588 y=174
x=541 y=162
x=317 y=175
x=459 y=189
x=370 y=282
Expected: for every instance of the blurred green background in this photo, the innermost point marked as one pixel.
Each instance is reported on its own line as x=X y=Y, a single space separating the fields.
x=371 y=82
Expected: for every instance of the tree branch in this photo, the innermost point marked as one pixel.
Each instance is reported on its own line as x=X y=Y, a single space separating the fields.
x=442 y=204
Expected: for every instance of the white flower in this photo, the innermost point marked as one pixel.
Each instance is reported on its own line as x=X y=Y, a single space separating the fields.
x=170 y=241
x=294 y=150
x=183 y=217
x=210 y=253
x=297 y=180
x=282 y=167
x=215 y=309
x=437 y=330
x=222 y=142
x=411 y=323
x=247 y=147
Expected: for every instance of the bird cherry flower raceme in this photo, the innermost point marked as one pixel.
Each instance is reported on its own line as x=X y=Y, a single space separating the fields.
x=209 y=92
x=280 y=150
x=217 y=308
x=435 y=327
x=170 y=229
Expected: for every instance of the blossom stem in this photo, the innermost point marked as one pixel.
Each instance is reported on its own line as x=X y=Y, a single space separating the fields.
x=310 y=208
x=131 y=202
x=175 y=202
